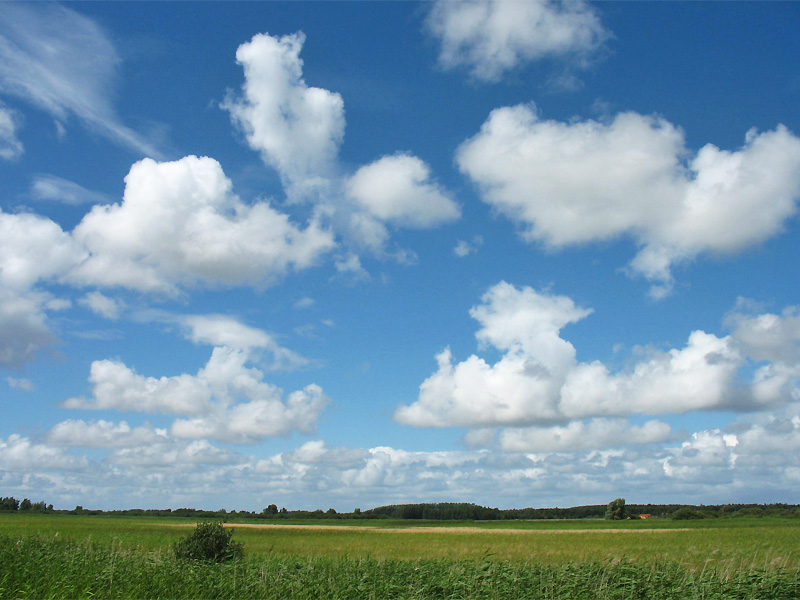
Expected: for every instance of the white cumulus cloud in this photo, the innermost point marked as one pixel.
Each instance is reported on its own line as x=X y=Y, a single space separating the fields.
x=747 y=461
x=103 y=434
x=180 y=224
x=523 y=386
x=492 y=37
x=21 y=454
x=538 y=381
x=33 y=249
x=264 y=415
x=226 y=400
x=568 y=183
x=398 y=189
x=297 y=129
x=192 y=458
x=577 y=435
x=115 y=386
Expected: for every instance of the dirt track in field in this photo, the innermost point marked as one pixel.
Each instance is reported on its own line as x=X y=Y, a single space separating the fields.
x=438 y=529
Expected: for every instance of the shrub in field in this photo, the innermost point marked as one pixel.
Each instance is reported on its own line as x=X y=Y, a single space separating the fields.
x=209 y=542
x=686 y=513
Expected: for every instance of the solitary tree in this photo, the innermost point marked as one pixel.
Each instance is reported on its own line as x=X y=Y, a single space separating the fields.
x=616 y=510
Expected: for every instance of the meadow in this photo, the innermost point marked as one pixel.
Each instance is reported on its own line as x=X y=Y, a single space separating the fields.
x=66 y=556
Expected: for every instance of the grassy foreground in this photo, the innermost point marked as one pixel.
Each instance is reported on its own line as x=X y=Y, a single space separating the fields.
x=47 y=568
x=82 y=557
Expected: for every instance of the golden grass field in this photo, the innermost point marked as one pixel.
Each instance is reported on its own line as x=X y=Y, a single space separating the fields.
x=731 y=543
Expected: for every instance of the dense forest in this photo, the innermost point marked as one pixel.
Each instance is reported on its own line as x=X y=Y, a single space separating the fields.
x=442 y=511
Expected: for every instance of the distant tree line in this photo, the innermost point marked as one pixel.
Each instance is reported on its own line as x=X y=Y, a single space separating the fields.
x=11 y=504
x=472 y=512
x=441 y=511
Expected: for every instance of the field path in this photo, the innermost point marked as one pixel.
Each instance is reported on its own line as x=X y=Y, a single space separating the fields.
x=425 y=529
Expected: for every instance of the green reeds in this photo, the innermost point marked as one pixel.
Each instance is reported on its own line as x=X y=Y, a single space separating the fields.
x=49 y=567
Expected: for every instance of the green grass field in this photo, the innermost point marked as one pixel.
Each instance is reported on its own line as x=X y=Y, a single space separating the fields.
x=130 y=557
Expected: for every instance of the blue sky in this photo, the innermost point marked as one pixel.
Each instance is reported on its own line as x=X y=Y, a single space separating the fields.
x=352 y=254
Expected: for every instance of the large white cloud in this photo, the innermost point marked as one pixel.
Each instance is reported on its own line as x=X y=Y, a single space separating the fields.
x=568 y=183
x=33 y=249
x=226 y=400
x=492 y=37
x=699 y=376
x=538 y=380
x=64 y=63
x=180 y=224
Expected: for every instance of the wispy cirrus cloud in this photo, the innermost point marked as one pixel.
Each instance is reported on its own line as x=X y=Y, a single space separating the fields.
x=65 y=64
x=50 y=188
x=19 y=383
x=10 y=146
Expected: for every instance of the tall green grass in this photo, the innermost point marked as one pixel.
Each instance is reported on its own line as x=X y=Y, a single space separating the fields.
x=53 y=567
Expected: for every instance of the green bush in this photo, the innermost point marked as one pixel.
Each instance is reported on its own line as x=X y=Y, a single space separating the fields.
x=687 y=513
x=209 y=542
